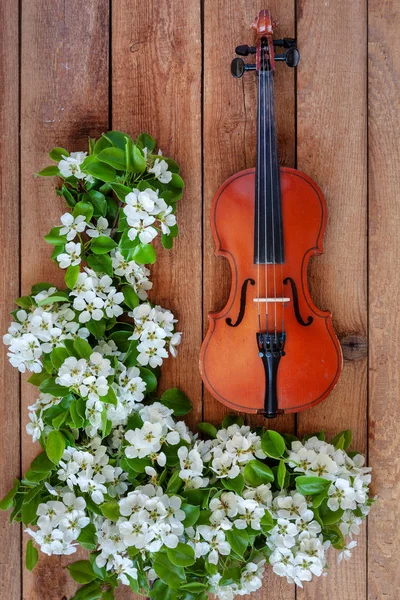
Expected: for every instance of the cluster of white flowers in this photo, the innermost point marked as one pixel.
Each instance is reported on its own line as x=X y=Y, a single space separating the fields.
x=154 y=328
x=136 y=275
x=96 y=297
x=89 y=470
x=250 y=581
x=298 y=551
x=233 y=448
x=142 y=210
x=40 y=330
x=88 y=378
x=60 y=523
x=150 y=519
x=70 y=166
x=158 y=428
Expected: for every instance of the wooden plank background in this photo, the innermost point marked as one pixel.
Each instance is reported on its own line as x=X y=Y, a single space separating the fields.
x=73 y=69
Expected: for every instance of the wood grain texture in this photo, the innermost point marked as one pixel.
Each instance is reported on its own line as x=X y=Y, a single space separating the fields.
x=229 y=132
x=384 y=288
x=64 y=98
x=156 y=88
x=331 y=148
x=10 y=547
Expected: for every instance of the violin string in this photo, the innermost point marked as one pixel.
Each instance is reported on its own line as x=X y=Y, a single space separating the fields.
x=258 y=197
x=270 y=125
x=265 y=257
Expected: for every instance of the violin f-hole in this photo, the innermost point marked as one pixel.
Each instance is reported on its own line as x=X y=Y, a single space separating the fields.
x=296 y=308
x=242 y=308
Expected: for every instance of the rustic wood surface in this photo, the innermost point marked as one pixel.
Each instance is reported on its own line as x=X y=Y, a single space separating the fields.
x=73 y=69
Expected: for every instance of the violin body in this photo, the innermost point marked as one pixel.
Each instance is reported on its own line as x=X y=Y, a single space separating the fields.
x=312 y=358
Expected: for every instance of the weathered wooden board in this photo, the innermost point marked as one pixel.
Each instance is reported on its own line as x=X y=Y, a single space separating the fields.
x=163 y=81
x=384 y=288
x=156 y=84
x=229 y=145
x=64 y=98
x=331 y=148
x=10 y=547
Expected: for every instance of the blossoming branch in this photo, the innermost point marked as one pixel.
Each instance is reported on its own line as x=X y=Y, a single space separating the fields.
x=158 y=508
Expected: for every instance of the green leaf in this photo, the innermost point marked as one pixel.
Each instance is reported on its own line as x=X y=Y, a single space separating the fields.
x=32 y=556
x=97 y=328
x=114 y=157
x=55 y=238
x=100 y=144
x=138 y=465
x=231 y=420
x=182 y=555
x=149 y=378
x=235 y=485
x=30 y=504
x=342 y=440
x=238 y=540
x=169 y=573
x=48 y=171
x=267 y=522
x=56 y=297
x=121 y=190
x=55 y=446
x=102 y=244
x=144 y=254
x=281 y=474
x=177 y=401
x=167 y=241
x=38 y=378
x=330 y=517
x=192 y=514
x=99 y=203
x=41 y=464
x=68 y=197
x=81 y=571
x=273 y=444
x=174 y=483
x=131 y=299
x=138 y=160
x=7 y=501
x=87 y=537
x=194 y=587
x=144 y=140
x=58 y=154
x=309 y=486
x=90 y=591
x=101 y=171
x=49 y=386
x=83 y=208
x=71 y=276
x=58 y=356
x=256 y=473
x=75 y=411
x=82 y=348
x=208 y=429
x=25 y=302
x=110 y=397
x=111 y=510
x=100 y=264
x=58 y=421
x=117 y=138
x=335 y=536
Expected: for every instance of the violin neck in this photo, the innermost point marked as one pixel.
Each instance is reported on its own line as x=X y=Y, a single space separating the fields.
x=268 y=230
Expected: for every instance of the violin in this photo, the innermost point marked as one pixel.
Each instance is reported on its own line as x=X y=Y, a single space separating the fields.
x=271 y=350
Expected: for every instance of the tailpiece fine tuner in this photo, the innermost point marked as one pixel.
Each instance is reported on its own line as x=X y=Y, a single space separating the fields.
x=271 y=350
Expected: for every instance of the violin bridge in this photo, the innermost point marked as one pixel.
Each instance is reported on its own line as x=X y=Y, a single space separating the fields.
x=272 y=300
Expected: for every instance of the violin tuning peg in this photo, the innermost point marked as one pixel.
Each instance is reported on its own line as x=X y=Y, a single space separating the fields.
x=285 y=43
x=245 y=50
x=291 y=57
x=238 y=67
